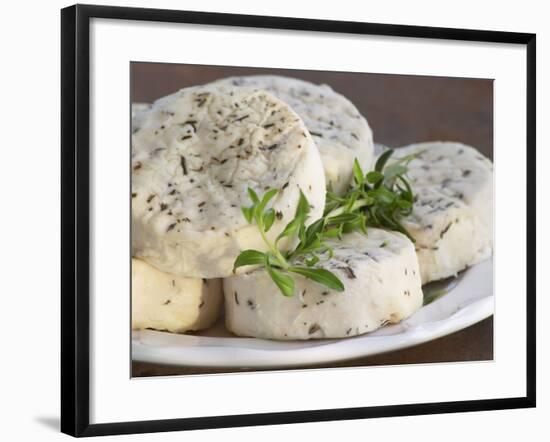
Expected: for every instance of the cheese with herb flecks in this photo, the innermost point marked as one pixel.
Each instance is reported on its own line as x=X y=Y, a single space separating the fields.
x=162 y=301
x=452 y=219
x=194 y=155
x=139 y=112
x=448 y=233
x=137 y=108
x=339 y=130
x=382 y=285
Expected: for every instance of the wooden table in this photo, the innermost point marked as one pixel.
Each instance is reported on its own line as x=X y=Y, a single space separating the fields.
x=400 y=110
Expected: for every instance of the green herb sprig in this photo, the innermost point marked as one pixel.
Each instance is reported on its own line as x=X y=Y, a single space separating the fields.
x=380 y=198
x=301 y=259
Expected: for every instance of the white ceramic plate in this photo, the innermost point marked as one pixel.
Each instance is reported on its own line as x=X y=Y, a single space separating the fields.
x=468 y=299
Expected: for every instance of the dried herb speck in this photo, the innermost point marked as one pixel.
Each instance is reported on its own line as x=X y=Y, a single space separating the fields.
x=349 y=272
x=445 y=230
x=314 y=328
x=183 y=164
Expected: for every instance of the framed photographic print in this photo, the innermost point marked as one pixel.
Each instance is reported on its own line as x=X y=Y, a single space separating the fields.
x=255 y=207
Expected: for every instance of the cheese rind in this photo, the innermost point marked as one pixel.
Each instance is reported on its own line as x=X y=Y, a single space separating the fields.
x=339 y=130
x=162 y=301
x=194 y=155
x=452 y=220
x=382 y=284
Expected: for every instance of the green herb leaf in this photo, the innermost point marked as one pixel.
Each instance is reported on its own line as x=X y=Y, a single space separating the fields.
x=358 y=174
x=351 y=201
x=383 y=195
x=290 y=229
x=297 y=225
x=253 y=196
x=248 y=213
x=313 y=230
x=249 y=257
x=284 y=281
x=268 y=219
x=408 y=193
x=322 y=276
x=303 y=206
x=374 y=177
x=382 y=160
x=342 y=218
x=268 y=196
x=316 y=245
x=332 y=233
x=404 y=204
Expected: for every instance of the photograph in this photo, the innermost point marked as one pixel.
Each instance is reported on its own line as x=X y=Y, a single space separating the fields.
x=275 y=221
x=285 y=220
x=302 y=219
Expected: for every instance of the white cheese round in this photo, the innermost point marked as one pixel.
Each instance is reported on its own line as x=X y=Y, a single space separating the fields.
x=448 y=233
x=339 y=130
x=162 y=301
x=137 y=108
x=382 y=285
x=452 y=219
x=139 y=113
x=195 y=154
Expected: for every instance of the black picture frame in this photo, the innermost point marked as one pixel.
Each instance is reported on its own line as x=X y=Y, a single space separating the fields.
x=75 y=214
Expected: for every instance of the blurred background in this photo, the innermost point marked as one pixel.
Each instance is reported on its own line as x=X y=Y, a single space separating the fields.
x=400 y=109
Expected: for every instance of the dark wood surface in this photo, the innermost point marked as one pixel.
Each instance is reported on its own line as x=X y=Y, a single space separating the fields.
x=400 y=110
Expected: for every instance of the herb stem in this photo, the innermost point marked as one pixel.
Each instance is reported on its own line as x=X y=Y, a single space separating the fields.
x=339 y=210
x=276 y=253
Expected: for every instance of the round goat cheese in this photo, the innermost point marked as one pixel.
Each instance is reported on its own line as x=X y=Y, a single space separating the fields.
x=382 y=285
x=194 y=155
x=452 y=220
x=162 y=301
x=339 y=130
x=139 y=113
x=137 y=108
x=448 y=233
